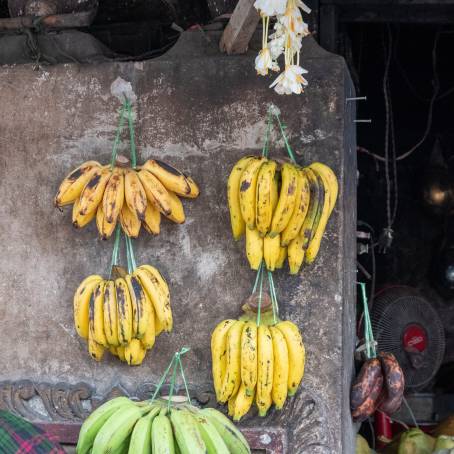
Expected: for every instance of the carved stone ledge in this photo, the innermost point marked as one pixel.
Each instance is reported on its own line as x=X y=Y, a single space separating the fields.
x=304 y=416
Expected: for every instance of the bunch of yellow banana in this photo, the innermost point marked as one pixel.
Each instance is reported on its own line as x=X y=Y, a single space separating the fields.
x=124 y=315
x=283 y=211
x=250 y=363
x=124 y=426
x=134 y=197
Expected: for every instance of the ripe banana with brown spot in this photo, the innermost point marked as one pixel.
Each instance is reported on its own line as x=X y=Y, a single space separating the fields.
x=271 y=251
x=81 y=304
x=254 y=248
x=264 y=202
x=172 y=178
x=249 y=357
x=218 y=354
x=135 y=196
x=242 y=403
x=287 y=199
x=282 y=256
x=114 y=195
x=331 y=180
x=156 y=192
x=94 y=349
x=110 y=314
x=176 y=207
x=280 y=369
x=140 y=314
x=158 y=293
x=152 y=220
x=296 y=354
x=135 y=352
x=71 y=187
x=265 y=366
x=81 y=220
x=248 y=191
x=124 y=311
x=93 y=191
x=295 y=251
x=299 y=212
x=233 y=196
x=98 y=314
x=130 y=223
x=232 y=377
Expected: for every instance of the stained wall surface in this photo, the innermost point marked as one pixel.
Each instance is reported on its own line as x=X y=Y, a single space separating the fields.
x=199 y=111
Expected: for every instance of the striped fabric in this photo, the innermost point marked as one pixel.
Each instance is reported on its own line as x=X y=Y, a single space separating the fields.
x=18 y=436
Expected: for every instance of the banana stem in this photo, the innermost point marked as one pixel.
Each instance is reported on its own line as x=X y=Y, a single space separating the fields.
x=131 y=135
x=117 y=135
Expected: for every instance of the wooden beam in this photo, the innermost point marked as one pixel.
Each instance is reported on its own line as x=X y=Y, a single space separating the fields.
x=241 y=27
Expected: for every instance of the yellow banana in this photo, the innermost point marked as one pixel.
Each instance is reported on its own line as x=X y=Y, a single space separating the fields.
x=233 y=195
x=135 y=352
x=275 y=192
x=98 y=316
x=81 y=220
x=96 y=350
x=100 y=220
x=158 y=326
x=149 y=337
x=249 y=357
x=158 y=293
x=152 y=220
x=271 y=251
x=280 y=369
x=140 y=311
x=114 y=195
x=135 y=196
x=124 y=311
x=282 y=257
x=231 y=405
x=130 y=223
x=242 y=403
x=176 y=207
x=265 y=369
x=71 y=187
x=330 y=187
x=110 y=314
x=316 y=201
x=93 y=191
x=81 y=304
x=295 y=251
x=287 y=199
x=232 y=377
x=331 y=181
x=248 y=190
x=296 y=354
x=156 y=192
x=299 y=212
x=121 y=353
x=218 y=354
x=254 y=248
x=173 y=179
x=264 y=207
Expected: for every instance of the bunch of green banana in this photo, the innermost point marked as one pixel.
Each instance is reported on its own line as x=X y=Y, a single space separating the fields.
x=282 y=210
x=123 y=426
x=263 y=363
x=134 y=197
x=124 y=315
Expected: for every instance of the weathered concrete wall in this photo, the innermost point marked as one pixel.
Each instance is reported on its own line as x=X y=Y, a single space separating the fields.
x=200 y=113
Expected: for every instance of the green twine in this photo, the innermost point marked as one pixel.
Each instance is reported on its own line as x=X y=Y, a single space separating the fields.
x=131 y=252
x=287 y=145
x=259 y=306
x=117 y=135
x=368 y=333
x=259 y=271
x=131 y=135
x=116 y=249
x=265 y=149
x=274 y=303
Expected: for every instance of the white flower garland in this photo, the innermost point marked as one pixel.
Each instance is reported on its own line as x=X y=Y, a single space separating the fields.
x=289 y=31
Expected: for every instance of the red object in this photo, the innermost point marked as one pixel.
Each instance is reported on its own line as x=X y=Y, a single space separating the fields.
x=383 y=429
x=415 y=338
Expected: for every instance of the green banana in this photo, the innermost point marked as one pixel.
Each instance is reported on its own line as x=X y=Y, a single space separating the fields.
x=117 y=428
x=161 y=435
x=232 y=437
x=141 y=435
x=96 y=420
x=186 y=432
x=213 y=441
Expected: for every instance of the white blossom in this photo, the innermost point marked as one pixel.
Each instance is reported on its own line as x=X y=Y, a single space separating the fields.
x=290 y=81
x=271 y=7
x=263 y=62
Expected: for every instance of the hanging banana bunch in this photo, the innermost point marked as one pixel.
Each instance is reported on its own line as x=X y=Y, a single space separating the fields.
x=122 y=192
x=281 y=208
x=125 y=314
x=257 y=358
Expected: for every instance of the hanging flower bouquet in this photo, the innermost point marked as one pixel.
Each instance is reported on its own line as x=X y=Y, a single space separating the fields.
x=289 y=31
